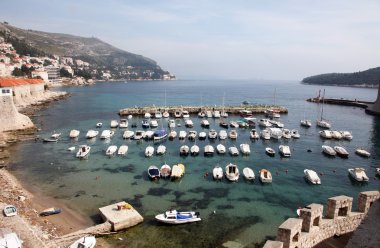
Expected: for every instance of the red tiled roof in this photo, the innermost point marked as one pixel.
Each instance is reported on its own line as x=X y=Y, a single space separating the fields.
x=9 y=82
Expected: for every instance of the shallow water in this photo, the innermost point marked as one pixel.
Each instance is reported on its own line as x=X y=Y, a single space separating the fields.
x=242 y=212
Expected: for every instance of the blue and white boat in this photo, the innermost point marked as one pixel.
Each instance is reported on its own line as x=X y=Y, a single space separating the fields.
x=174 y=217
x=50 y=211
x=154 y=172
x=145 y=123
x=160 y=134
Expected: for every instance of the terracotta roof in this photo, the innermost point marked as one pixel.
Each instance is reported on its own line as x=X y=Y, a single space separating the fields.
x=9 y=82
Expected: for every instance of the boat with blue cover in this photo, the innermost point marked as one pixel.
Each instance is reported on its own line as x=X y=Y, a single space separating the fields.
x=50 y=211
x=174 y=217
x=160 y=134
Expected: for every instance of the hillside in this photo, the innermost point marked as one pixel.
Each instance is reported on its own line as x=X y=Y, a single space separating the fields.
x=91 y=50
x=368 y=78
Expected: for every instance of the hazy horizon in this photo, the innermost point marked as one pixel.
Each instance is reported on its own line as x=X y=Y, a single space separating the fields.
x=255 y=40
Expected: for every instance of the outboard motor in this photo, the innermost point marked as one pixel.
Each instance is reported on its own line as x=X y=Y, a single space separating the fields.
x=197 y=214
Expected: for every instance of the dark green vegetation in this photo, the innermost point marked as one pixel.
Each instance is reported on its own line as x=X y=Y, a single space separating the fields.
x=369 y=78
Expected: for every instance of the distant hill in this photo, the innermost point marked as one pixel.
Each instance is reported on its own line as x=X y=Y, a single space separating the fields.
x=91 y=50
x=368 y=78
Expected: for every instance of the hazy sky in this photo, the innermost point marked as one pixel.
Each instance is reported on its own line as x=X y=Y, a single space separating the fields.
x=218 y=38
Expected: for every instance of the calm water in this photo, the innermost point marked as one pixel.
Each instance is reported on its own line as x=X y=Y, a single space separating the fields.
x=239 y=213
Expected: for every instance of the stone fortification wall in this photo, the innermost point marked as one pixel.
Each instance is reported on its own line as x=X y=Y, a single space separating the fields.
x=11 y=119
x=312 y=228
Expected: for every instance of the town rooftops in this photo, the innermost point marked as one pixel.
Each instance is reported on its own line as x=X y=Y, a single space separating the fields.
x=9 y=82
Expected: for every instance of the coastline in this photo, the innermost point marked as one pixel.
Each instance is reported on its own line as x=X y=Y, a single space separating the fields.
x=368 y=86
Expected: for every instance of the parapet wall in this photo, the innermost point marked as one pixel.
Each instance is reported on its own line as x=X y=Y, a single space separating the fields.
x=312 y=228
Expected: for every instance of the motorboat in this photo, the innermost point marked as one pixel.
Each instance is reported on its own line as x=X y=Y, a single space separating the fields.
x=165 y=171
x=245 y=149
x=128 y=134
x=161 y=149
x=149 y=151
x=153 y=172
x=328 y=150
x=147 y=115
x=189 y=123
x=84 y=242
x=341 y=151
x=223 y=134
x=56 y=135
x=216 y=114
x=362 y=152
x=305 y=123
x=174 y=217
x=265 y=123
x=172 y=135
x=234 y=124
x=233 y=134
x=223 y=114
x=295 y=134
x=99 y=125
x=123 y=123
x=184 y=150
x=358 y=174
x=129 y=117
x=253 y=134
x=347 y=135
x=276 y=124
x=233 y=151
x=323 y=124
x=275 y=133
x=185 y=114
x=192 y=135
x=245 y=113
x=271 y=113
x=138 y=135
x=194 y=150
x=248 y=174
x=270 y=151
x=50 y=211
x=250 y=121
x=160 y=134
x=325 y=134
x=201 y=114
x=336 y=135
x=202 y=135
x=223 y=124
x=49 y=140
x=232 y=172
x=10 y=210
x=91 y=134
x=265 y=176
x=209 y=114
x=286 y=133
x=157 y=115
x=153 y=123
x=205 y=123
x=145 y=123
x=312 y=176
x=111 y=150
x=165 y=114
x=177 y=114
x=209 y=150
x=74 y=133
x=212 y=134
x=106 y=134
x=71 y=148
x=285 y=151
x=265 y=134
x=220 y=149
x=242 y=124
x=182 y=134
x=171 y=123
x=217 y=173
x=123 y=149
x=114 y=124
x=177 y=171
x=83 y=151
x=148 y=135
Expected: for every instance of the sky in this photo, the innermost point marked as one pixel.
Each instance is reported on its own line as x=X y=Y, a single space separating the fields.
x=220 y=39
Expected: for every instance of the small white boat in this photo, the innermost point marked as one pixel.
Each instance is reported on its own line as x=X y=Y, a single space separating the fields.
x=245 y=149
x=72 y=148
x=233 y=134
x=114 y=124
x=223 y=134
x=275 y=133
x=91 y=134
x=99 y=125
x=172 y=134
x=148 y=135
x=177 y=114
x=328 y=150
x=265 y=123
x=171 y=123
x=184 y=150
x=234 y=124
x=194 y=150
x=174 y=217
x=265 y=134
x=84 y=151
x=56 y=135
x=153 y=172
x=221 y=149
x=161 y=149
x=185 y=114
x=312 y=176
x=346 y=135
x=123 y=149
x=149 y=151
x=182 y=134
x=295 y=134
x=165 y=114
x=153 y=124
x=285 y=151
x=9 y=211
x=74 y=133
x=362 y=152
x=128 y=134
x=147 y=115
x=189 y=123
x=286 y=134
x=205 y=123
x=306 y=123
x=358 y=174
x=165 y=171
x=217 y=173
x=336 y=135
x=106 y=134
x=209 y=150
x=192 y=135
x=209 y=114
x=248 y=173
x=323 y=124
x=276 y=124
x=325 y=134
x=253 y=134
x=84 y=242
x=157 y=115
x=177 y=171
x=270 y=151
x=232 y=172
x=145 y=123
x=216 y=114
x=233 y=151
x=129 y=117
x=111 y=150
x=378 y=171
x=265 y=176
x=212 y=134
x=202 y=135
x=123 y=123
x=138 y=135
x=341 y=151
x=201 y=114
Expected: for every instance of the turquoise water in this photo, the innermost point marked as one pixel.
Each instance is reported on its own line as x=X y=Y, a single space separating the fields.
x=242 y=212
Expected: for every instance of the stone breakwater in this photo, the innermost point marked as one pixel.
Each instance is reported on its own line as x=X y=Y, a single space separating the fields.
x=256 y=109
x=312 y=228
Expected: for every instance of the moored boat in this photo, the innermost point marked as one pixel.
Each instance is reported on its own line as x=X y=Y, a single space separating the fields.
x=336 y=135
x=232 y=134
x=245 y=149
x=362 y=152
x=217 y=173
x=270 y=151
x=99 y=125
x=165 y=170
x=171 y=123
x=184 y=150
x=248 y=173
x=174 y=217
x=153 y=172
x=328 y=150
x=205 y=123
x=128 y=134
x=172 y=135
x=161 y=149
x=312 y=176
x=232 y=172
x=233 y=151
x=253 y=134
x=223 y=134
x=10 y=210
x=212 y=134
x=123 y=123
x=358 y=174
x=182 y=134
x=123 y=149
x=325 y=134
x=220 y=149
x=84 y=151
x=50 y=211
x=138 y=135
x=114 y=124
x=202 y=135
x=295 y=134
x=74 y=133
x=149 y=151
x=106 y=134
x=341 y=151
x=160 y=134
x=285 y=151
x=91 y=134
x=177 y=171
x=209 y=150
x=194 y=150
x=265 y=176
x=189 y=123
x=346 y=135
x=306 y=123
x=111 y=150
x=265 y=134
x=192 y=135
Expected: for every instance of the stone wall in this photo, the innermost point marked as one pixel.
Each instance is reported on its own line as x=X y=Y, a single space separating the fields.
x=11 y=119
x=312 y=228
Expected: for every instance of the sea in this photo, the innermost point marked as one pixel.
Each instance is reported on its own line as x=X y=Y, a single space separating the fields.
x=238 y=214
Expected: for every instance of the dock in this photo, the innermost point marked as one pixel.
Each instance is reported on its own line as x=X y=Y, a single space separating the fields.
x=256 y=109
x=341 y=101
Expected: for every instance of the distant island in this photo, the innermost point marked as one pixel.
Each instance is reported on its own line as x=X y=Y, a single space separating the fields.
x=369 y=78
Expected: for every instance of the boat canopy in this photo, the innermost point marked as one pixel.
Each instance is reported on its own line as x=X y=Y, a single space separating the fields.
x=160 y=133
